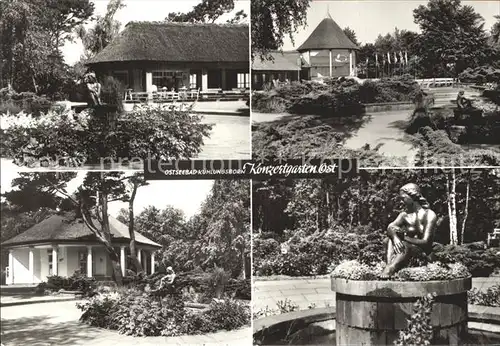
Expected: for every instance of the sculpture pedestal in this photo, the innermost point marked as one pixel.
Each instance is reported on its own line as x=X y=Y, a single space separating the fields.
x=373 y=312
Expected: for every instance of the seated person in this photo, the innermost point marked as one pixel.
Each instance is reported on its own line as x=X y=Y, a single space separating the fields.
x=411 y=234
x=463 y=102
x=168 y=279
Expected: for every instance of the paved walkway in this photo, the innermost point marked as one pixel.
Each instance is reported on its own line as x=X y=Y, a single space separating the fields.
x=305 y=292
x=57 y=324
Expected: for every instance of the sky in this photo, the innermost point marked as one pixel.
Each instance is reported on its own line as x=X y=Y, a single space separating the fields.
x=145 y=10
x=186 y=195
x=369 y=18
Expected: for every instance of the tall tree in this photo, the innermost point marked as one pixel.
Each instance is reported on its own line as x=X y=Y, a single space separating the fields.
x=452 y=38
x=60 y=17
x=133 y=183
x=105 y=29
x=208 y=11
x=351 y=35
x=273 y=21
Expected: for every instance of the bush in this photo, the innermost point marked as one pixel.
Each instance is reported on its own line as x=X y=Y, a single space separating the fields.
x=491 y=297
x=28 y=102
x=148 y=130
x=335 y=97
x=480 y=262
x=317 y=253
x=138 y=313
x=112 y=92
x=76 y=282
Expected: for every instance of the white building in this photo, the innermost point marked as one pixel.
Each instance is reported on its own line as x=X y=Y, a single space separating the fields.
x=62 y=245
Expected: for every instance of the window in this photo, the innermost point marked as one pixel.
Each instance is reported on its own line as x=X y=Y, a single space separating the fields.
x=49 y=255
x=168 y=79
x=243 y=80
x=192 y=81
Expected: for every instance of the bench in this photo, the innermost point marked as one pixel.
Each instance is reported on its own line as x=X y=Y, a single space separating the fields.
x=436 y=82
x=494 y=237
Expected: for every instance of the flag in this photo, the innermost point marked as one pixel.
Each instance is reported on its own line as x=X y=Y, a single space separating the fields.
x=406 y=57
x=395 y=57
x=376 y=59
x=389 y=58
x=401 y=60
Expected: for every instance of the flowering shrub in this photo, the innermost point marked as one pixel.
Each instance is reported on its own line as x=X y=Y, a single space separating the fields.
x=490 y=297
x=147 y=130
x=353 y=270
x=419 y=330
x=142 y=313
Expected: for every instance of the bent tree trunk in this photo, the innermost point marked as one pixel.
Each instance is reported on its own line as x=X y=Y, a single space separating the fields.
x=133 y=250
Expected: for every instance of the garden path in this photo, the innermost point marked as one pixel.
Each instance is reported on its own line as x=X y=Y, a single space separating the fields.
x=57 y=324
x=305 y=292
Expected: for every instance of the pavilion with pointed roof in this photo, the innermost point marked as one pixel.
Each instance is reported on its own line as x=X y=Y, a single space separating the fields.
x=327 y=52
x=62 y=244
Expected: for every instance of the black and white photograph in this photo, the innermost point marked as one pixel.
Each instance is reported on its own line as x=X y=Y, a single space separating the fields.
x=390 y=257
x=107 y=258
x=390 y=82
x=109 y=83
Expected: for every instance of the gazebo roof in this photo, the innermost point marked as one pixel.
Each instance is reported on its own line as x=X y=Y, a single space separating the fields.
x=178 y=42
x=67 y=228
x=282 y=61
x=327 y=35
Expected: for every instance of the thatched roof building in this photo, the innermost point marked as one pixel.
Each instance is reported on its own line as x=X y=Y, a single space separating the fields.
x=149 y=56
x=178 y=42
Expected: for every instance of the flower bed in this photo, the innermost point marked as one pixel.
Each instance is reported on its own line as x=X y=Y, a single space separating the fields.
x=354 y=270
x=152 y=313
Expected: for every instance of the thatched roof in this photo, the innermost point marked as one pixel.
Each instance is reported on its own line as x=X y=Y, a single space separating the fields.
x=327 y=35
x=178 y=42
x=67 y=228
x=282 y=61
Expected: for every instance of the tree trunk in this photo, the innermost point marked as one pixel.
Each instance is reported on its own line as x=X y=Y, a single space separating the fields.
x=243 y=272
x=452 y=206
x=115 y=259
x=466 y=209
x=133 y=251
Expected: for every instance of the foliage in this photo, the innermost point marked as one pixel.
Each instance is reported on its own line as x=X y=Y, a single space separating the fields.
x=394 y=89
x=354 y=270
x=208 y=12
x=31 y=35
x=351 y=34
x=76 y=282
x=480 y=75
x=272 y=21
x=138 y=313
x=336 y=98
x=480 y=262
x=112 y=93
x=452 y=38
x=419 y=330
x=314 y=254
x=147 y=131
x=490 y=297
x=104 y=30
x=28 y=102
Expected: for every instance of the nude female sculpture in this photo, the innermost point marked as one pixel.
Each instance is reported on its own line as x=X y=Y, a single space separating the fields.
x=412 y=233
